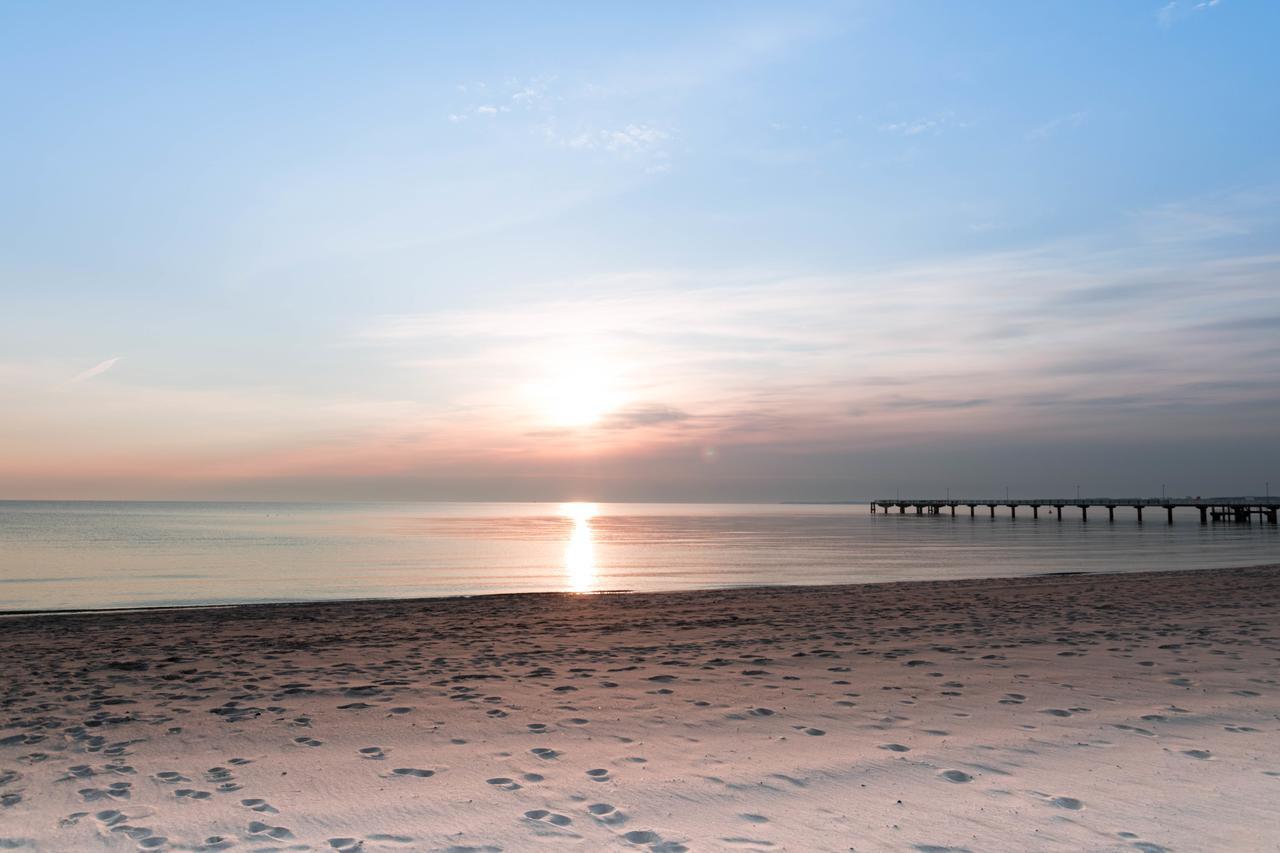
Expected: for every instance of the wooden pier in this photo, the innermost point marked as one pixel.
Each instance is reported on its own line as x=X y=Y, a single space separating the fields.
x=1238 y=510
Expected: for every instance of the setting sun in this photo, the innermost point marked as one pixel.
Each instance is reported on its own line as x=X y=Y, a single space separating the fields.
x=577 y=395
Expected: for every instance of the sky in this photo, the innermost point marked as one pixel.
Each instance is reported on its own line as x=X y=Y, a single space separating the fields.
x=657 y=251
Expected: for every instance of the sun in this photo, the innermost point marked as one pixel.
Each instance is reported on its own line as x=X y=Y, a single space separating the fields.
x=578 y=395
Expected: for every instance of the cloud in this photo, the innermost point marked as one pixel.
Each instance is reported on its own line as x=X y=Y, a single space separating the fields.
x=645 y=415
x=942 y=403
x=1176 y=11
x=1057 y=125
x=512 y=96
x=932 y=125
x=631 y=139
x=97 y=370
x=584 y=119
x=1205 y=219
x=1242 y=324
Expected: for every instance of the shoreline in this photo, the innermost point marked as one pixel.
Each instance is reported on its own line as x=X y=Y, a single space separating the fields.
x=160 y=608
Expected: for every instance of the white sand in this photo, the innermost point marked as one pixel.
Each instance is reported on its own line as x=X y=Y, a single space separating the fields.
x=1102 y=712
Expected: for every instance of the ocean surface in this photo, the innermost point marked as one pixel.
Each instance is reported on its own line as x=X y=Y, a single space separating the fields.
x=74 y=555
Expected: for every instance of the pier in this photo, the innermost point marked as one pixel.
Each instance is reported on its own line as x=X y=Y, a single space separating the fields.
x=1237 y=510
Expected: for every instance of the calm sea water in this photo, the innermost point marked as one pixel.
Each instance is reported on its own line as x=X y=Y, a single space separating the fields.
x=69 y=555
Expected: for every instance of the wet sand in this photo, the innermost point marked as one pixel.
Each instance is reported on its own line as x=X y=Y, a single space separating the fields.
x=1098 y=712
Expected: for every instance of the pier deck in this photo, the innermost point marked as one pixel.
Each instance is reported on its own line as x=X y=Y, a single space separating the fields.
x=1240 y=510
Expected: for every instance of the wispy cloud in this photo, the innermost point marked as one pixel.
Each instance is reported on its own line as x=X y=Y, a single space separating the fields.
x=481 y=100
x=97 y=370
x=644 y=415
x=639 y=142
x=931 y=125
x=1176 y=11
x=631 y=139
x=579 y=119
x=1057 y=125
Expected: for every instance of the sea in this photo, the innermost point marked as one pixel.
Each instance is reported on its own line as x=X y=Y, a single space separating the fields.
x=108 y=555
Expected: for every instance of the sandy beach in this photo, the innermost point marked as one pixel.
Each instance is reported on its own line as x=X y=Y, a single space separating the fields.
x=1098 y=712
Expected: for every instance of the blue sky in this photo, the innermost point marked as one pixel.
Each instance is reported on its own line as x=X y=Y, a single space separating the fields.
x=672 y=251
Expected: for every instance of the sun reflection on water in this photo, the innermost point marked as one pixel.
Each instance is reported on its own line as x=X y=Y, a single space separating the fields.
x=580 y=553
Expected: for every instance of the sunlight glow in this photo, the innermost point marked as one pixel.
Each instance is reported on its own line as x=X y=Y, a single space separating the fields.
x=579 y=554
x=577 y=394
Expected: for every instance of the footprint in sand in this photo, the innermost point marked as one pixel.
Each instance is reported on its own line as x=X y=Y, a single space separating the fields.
x=762 y=712
x=655 y=842
x=373 y=753
x=504 y=783
x=307 y=741
x=169 y=777
x=261 y=806
x=606 y=813
x=1056 y=712
x=1201 y=754
x=548 y=817
x=191 y=794
x=116 y=791
x=109 y=817
x=958 y=776
x=537 y=728
x=414 y=772
x=544 y=753
x=278 y=833
x=599 y=774
x=1068 y=803
x=753 y=818
x=895 y=747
